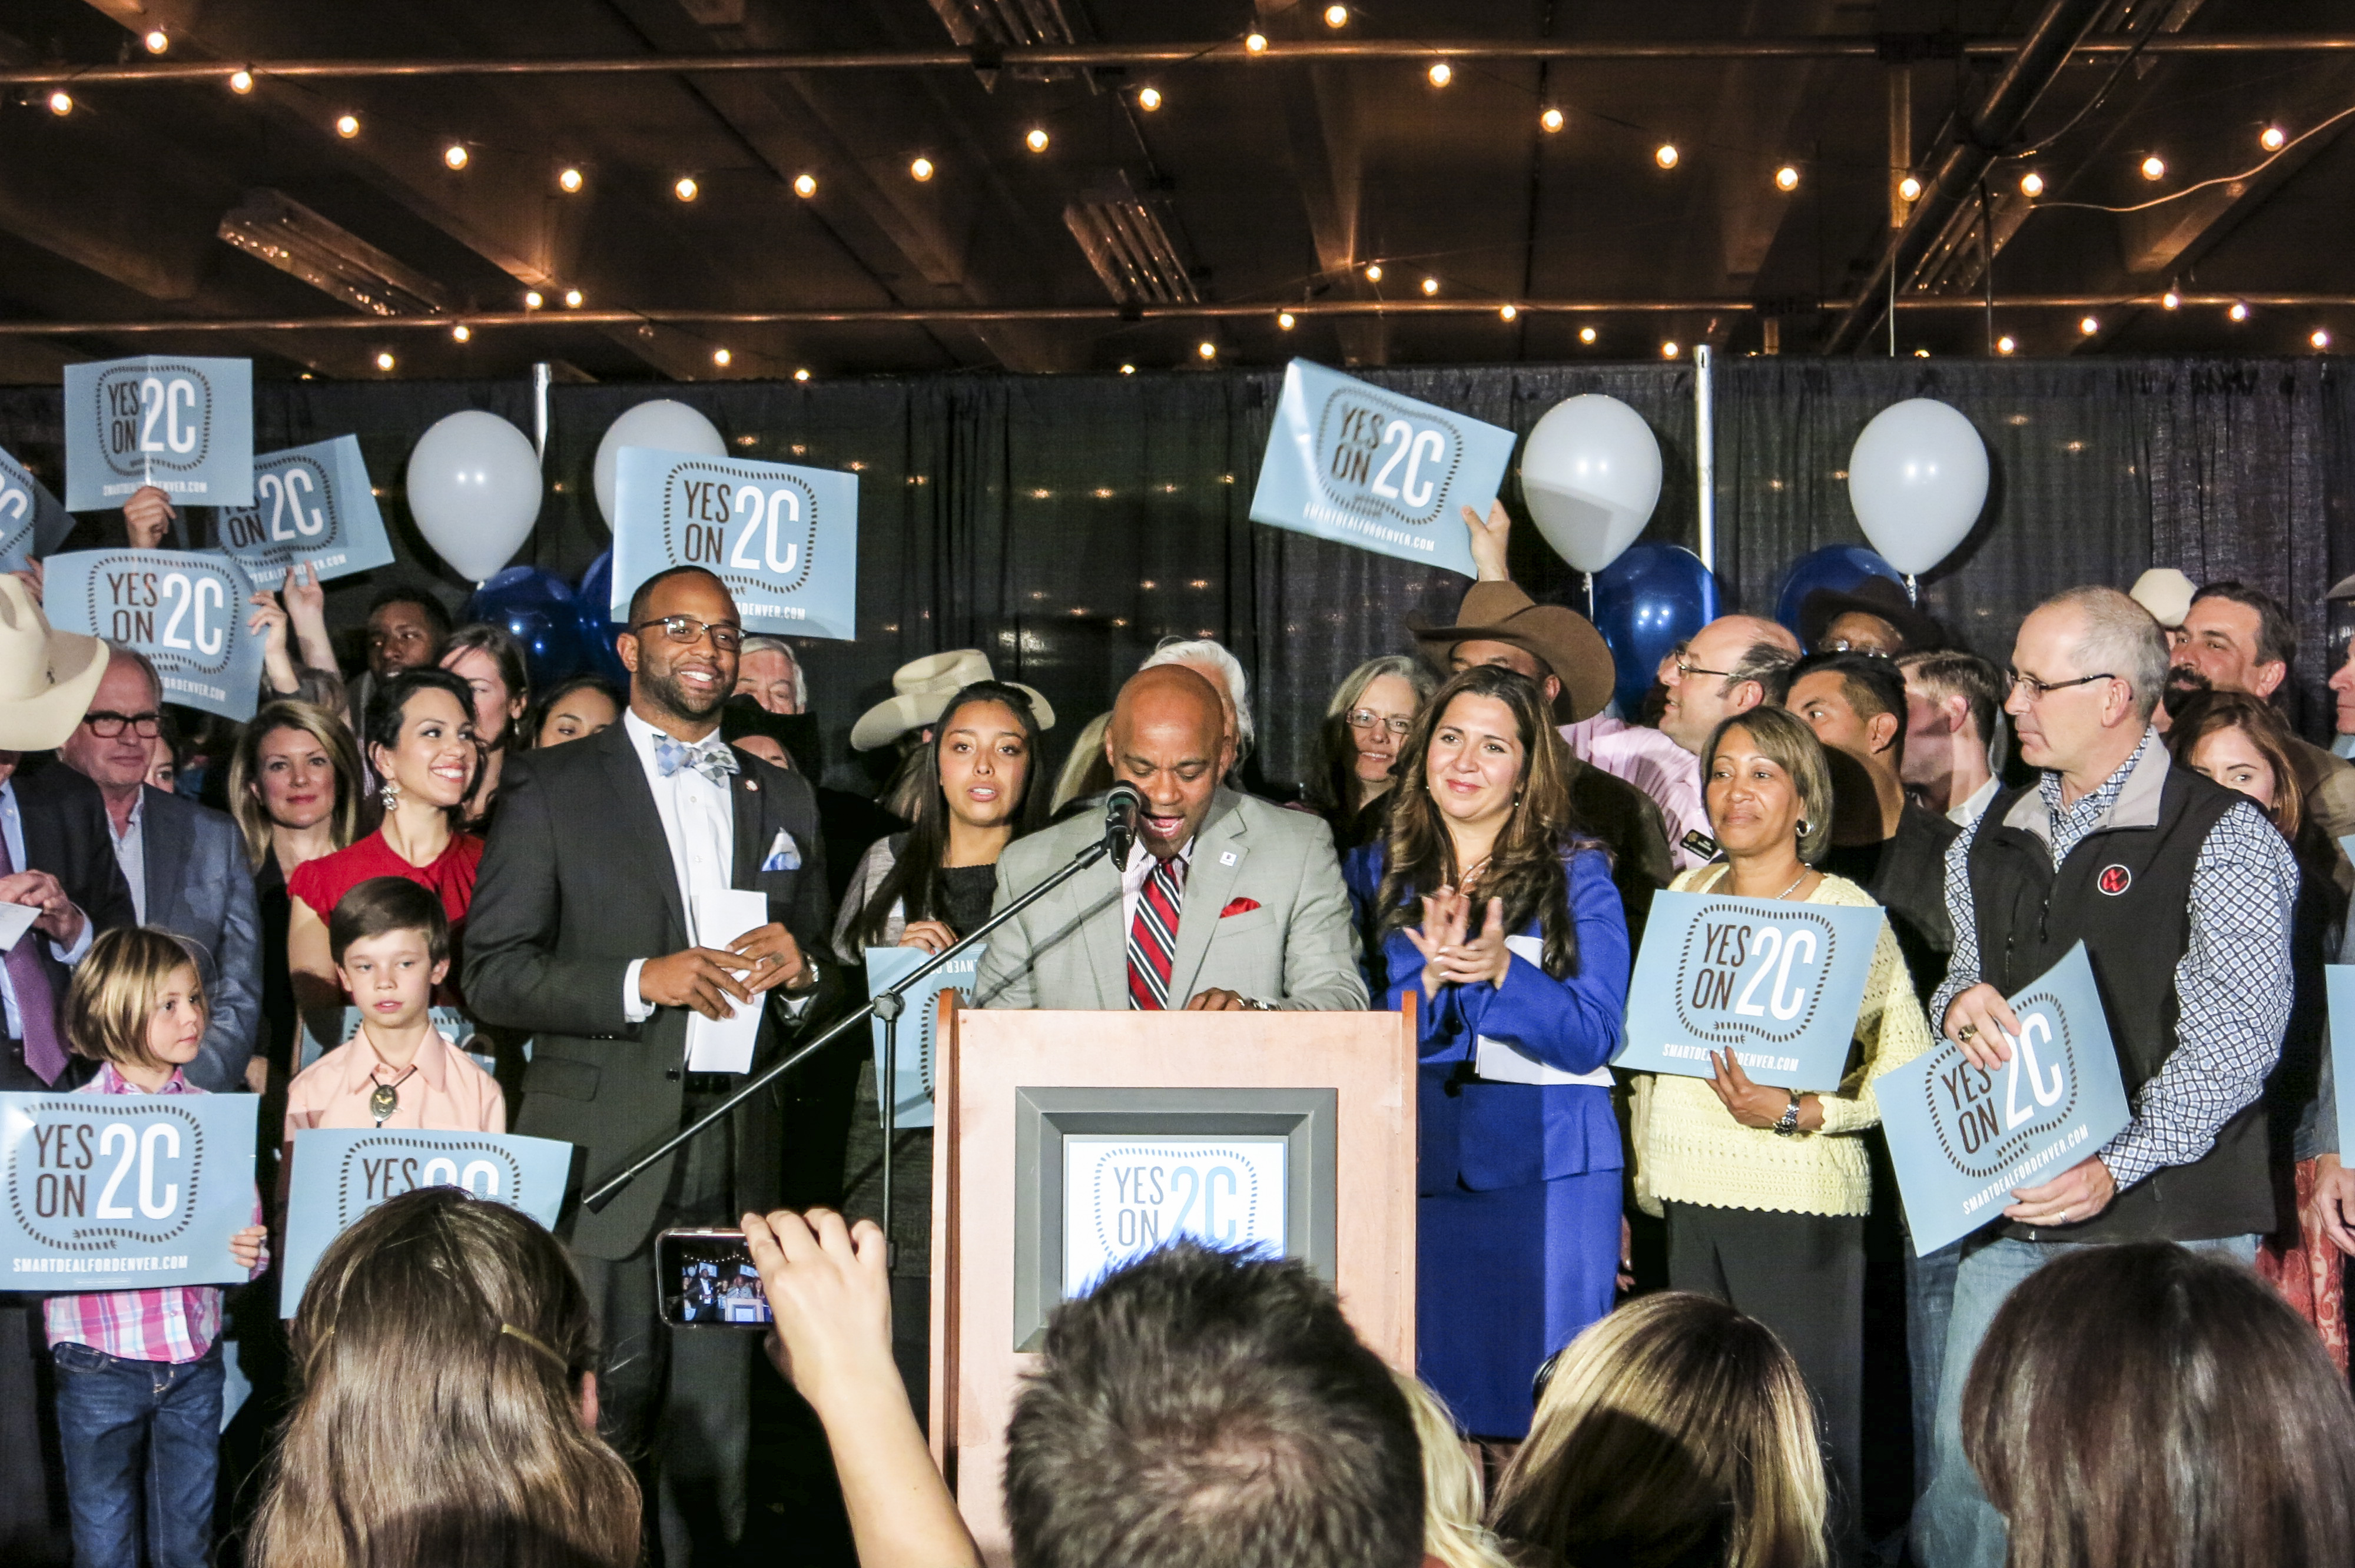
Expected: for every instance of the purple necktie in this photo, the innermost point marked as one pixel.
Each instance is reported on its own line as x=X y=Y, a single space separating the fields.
x=37 y=1005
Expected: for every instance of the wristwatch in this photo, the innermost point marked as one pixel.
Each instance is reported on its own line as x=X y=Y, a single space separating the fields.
x=1789 y=1125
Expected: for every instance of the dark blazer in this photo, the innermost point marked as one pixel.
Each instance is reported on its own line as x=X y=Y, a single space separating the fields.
x=64 y=819
x=199 y=888
x=577 y=882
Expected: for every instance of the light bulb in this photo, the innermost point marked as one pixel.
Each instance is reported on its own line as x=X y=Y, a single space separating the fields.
x=2032 y=184
x=802 y=374
x=1550 y=119
x=686 y=189
x=2320 y=337
x=61 y=102
x=1440 y=73
x=1207 y=349
x=2090 y=325
x=1667 y=155
x=569 y=182
x=1669 y=349
x=721 y=356
x=1509 y=312
x=1373 y=273
x=347 y=126
x=2005 y=344
x=1336 y=16
x=1036 y=140
x=2171 y=300
x=462 y=333
x=1256 y=44
x=2239 y=312
x=1909 y=188
x=384 y=361
x=804 y=185
x=1787 y=178
x=921 y=169
x=241 y=82
x=1284 y=320
x=454 y=154
x=1431 y=285
x=531 y=300
x=572 y=299
x=1586 y=334
x=2154 y=167
x=1128 y=370
x=157 y=40
x=2273 y=138
x=1921 y=354
x=1149 y=99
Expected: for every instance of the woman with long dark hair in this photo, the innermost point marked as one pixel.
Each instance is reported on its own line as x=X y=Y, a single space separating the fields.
x=491 y=662
x=1489 y=904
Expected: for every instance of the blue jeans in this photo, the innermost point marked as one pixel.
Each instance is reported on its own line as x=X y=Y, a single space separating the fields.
x=111 y=1412
x=1955 y=1526
x=1929 y=1304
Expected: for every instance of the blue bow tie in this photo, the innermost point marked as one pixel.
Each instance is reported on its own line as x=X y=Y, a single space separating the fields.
x=712 y=758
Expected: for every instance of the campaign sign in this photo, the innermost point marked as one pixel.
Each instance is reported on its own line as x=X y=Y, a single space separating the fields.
x=184 y=426
x=913 y=1100
x=1777 y=983
x=125 y=1192
x=1124 y=1196
x=340 y=1173
x=1361 y=466
x=186 y=610
x=783 y=539
x=1962 y=1139
x=32 y=524
x=312 y=505
x=2340 y=984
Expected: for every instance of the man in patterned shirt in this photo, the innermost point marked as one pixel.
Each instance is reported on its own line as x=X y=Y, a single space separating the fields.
x=2181 y=892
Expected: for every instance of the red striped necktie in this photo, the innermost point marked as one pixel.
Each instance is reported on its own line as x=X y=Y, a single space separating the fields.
x=1153 y=937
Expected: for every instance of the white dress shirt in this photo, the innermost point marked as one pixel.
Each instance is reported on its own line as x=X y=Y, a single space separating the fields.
x=131 y=851
x=12 y=828
x=1965 y=812
x=700 y=830
x=1132 y=881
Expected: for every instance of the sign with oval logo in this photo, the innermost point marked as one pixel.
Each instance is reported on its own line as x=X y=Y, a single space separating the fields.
x=123 y=1192
x=184 y=426
x=784 y=539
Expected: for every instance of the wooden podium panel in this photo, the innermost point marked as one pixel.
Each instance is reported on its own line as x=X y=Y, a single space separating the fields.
x=985 y=1057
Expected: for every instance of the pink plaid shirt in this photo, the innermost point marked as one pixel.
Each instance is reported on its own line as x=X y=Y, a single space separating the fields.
x=173 y=1323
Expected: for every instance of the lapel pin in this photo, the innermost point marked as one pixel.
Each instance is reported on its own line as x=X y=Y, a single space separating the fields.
x=1226 y=858
x=751 y=786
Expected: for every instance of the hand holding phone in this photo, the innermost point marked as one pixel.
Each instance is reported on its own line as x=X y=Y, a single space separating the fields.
x=707 y=1278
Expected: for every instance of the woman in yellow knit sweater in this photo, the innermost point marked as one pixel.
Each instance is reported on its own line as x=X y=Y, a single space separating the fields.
x=1765 y=1210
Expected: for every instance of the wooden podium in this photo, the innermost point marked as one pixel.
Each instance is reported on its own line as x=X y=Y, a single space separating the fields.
x=1338 y=1087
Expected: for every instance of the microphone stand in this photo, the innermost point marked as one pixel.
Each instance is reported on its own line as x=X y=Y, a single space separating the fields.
x=887 y=1006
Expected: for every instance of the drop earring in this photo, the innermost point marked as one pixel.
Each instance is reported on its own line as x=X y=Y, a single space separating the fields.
x=389 y=794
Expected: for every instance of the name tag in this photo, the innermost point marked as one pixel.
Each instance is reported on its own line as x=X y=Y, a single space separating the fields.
x=1501 y=1062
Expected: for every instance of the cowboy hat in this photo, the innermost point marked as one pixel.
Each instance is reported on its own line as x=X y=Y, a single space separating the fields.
x=1875 y=596
x=921 y=688
x=2167 y=595
x=47 y=678
x=1561 y=640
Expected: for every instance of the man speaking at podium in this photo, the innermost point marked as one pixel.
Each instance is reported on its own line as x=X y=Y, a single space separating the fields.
x=1225 y=903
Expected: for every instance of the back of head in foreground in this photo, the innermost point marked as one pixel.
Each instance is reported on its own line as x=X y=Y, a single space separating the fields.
x=446 y=1353
x=1208 y=1410
x=1675 y=1433
x=2145 y=1406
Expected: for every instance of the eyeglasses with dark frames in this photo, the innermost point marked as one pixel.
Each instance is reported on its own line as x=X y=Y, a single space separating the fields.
x=106 y=725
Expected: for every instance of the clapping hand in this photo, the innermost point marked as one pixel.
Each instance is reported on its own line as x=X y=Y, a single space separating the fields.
x=1451 y=955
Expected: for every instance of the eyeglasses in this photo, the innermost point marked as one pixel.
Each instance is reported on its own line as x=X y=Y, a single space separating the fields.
x=107 y=726
x=1842 y=645
x=1366 y=718
x=2039 y=690
x=687 y=631
x=1686 y=671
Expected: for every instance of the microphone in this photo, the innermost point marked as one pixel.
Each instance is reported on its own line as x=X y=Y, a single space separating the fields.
x=1120 y=808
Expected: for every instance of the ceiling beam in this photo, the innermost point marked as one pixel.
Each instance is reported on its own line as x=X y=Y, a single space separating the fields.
x=1321 y=135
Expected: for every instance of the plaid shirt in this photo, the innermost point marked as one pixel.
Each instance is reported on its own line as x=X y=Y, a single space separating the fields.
x=2231 y=986
x=173 y=1323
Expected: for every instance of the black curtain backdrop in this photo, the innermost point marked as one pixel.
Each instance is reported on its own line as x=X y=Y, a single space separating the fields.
x=1065 y=525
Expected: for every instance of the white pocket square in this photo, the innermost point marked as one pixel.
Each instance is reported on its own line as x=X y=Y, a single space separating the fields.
x=784 y=855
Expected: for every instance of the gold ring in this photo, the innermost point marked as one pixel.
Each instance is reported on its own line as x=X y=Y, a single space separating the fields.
x=1966 y=1031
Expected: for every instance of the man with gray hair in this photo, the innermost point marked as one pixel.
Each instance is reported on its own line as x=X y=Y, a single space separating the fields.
x=768 y=672
x=2182 y=893
x=1214 y=662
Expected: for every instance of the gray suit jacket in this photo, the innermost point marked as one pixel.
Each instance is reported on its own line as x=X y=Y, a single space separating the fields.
x=1297 y=950
x=200 y=888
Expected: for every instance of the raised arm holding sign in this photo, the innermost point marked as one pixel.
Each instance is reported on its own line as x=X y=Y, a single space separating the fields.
x=311 y=504
x=180 y=425
x=187 y=610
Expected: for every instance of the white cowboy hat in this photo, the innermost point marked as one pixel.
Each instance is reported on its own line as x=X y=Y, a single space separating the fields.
x=921 y=688
x=2166 y=593
x=47 y=678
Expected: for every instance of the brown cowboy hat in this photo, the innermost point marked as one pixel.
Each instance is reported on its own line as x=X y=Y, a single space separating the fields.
x=1561 y=640
x=1874 y=596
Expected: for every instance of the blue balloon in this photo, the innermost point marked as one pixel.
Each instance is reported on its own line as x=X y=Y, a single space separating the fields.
x=1836 y=566
x=598 y=627
x=537 y=610
x=1645 y=602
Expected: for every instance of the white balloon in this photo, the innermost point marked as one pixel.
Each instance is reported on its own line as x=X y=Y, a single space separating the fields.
x=1917 y=480
x=1591 y=474
x=663 y=424
x=474 y=488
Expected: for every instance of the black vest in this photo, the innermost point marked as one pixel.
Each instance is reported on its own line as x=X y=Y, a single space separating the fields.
x=2029 y=914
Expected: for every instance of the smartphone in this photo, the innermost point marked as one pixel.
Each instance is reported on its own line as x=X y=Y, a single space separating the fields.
x=706 y=1280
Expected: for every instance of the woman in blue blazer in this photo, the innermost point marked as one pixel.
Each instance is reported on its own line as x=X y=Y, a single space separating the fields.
x=1488 y=902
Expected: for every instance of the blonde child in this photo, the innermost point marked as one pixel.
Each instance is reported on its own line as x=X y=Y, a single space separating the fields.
x=139 y=1371
x=391 y=942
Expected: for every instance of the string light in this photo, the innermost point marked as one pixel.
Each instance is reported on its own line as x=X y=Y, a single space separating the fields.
x=2239 y=312
x=1336 y=16
x=2273 y=138
x=2320 y=337
x=1149 y=99
x=1256 y=44
x=2090 y=325
x=61 y=102
x=241 y=82
x=1036 y=140
x=1507 y=312
x=802 y=374
x=462 y=333
x=2154 y=167
x=569 y=182
x=1669 y=349
x=1440 y=73
x=157 y=41
x=1207 y=349
x=920 y=170
x=721 y=356
x=1128 y=370
x=1921 y=354
x=1431 y=286
x=1373 y=273
x=384 y=361
x=347 y=126
x=2032 y=184
x=2171 y=300
x=1909 y=188
x=1550 y=119
x=1667 y=155
x=1586 y=336
x=804 y=185
x=531 y=300
x=1787 y=178
x=454 y=154
x=1284 y=320
x=2005 y=345
x=686 y=189
x=572 y=299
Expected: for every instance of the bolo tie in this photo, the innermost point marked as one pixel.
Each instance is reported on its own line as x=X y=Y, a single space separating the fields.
x=385 y=1098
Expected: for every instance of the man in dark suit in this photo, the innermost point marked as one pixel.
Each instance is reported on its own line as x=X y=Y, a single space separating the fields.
x=184 y=864
x=585 y=930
